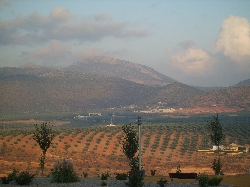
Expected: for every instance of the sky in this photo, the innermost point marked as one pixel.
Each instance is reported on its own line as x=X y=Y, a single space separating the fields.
x=196 y=42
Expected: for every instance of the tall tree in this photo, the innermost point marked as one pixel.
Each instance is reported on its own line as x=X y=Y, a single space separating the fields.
x=130 y=145
x=43 y=135
x=216 y=135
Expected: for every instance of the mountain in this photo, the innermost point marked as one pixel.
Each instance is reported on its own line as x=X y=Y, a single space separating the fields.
x=243 y=83
x=111 y=67
x=108 y=83
x=60 y=91
x=233 y=97
x=240 y=84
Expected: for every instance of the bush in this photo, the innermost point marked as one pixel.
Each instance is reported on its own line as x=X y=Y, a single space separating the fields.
x=162 y=182
x=85 y=174
x=105 y=176
x=202 y=179
x=205 y=181
x=24 y=178
x=103 y=183
x=12 y=175
x=178 y=170
x=152 y=172
x=5 y=180
x=214 y=181
x=63 y=172
x=121 y=176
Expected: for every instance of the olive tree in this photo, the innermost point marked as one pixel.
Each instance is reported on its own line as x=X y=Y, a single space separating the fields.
x=43 y=135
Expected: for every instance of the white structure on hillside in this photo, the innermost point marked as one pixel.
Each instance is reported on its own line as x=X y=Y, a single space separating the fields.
x=215 y=147
x=159 y=110
x=111 y=124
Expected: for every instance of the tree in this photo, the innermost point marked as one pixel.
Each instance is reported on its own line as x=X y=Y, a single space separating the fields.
x=217 y=166
x=130 y=147
x=43 y=135
x=216 y=135
x=130 y=142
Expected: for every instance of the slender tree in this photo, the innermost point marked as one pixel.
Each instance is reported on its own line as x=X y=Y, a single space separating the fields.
x=130 y=147
x=216 y=135
x=43 y=135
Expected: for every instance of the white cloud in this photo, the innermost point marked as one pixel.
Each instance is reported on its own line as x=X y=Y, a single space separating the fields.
x=92 y=52
x=55 y=54
x=56 y=49
x=59 y=54
x=37 y=29
x=60 y=14
x=191 y=60
x=234 y=40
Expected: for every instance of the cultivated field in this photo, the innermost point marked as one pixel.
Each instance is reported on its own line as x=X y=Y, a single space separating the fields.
x=97 y=149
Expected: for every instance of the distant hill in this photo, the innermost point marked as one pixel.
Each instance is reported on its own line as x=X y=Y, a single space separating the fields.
x=229 y=97
x=58 y=91
x=208 y=89
x=120 y=68
x=243 y=83
x=33 y=88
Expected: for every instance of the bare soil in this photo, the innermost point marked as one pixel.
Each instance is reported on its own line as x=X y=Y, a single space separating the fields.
x=94 y=157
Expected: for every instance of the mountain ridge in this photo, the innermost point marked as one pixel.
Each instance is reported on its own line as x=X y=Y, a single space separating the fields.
x=102 y=65
x=36 y=88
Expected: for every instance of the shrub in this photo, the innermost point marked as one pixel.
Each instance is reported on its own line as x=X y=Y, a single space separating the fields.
x=103 y=183
x=202 y=179
x=162 y=182
x=152 y=172
x=5 y=180
x=105 y=176
x=85 y=174
x=121 y=176
x=24 y=178
x=214 y=181
x=13 y=175
x=178 y=170
x=63 y=172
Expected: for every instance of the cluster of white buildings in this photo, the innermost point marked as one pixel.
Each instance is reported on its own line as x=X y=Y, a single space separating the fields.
x=230 y=148
x=159 y=110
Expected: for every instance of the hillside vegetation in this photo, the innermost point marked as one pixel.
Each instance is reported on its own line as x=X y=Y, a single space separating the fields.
x=230 y=97
x=60 y=91
x=42 y=90
x=111 y=67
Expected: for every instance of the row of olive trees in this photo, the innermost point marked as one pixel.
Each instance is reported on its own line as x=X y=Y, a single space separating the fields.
x=44 y=136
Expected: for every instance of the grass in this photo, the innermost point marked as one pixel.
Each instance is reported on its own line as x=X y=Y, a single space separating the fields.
x=237 y=180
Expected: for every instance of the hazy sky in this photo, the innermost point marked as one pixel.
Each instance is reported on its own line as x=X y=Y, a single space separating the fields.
x=205 y=43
